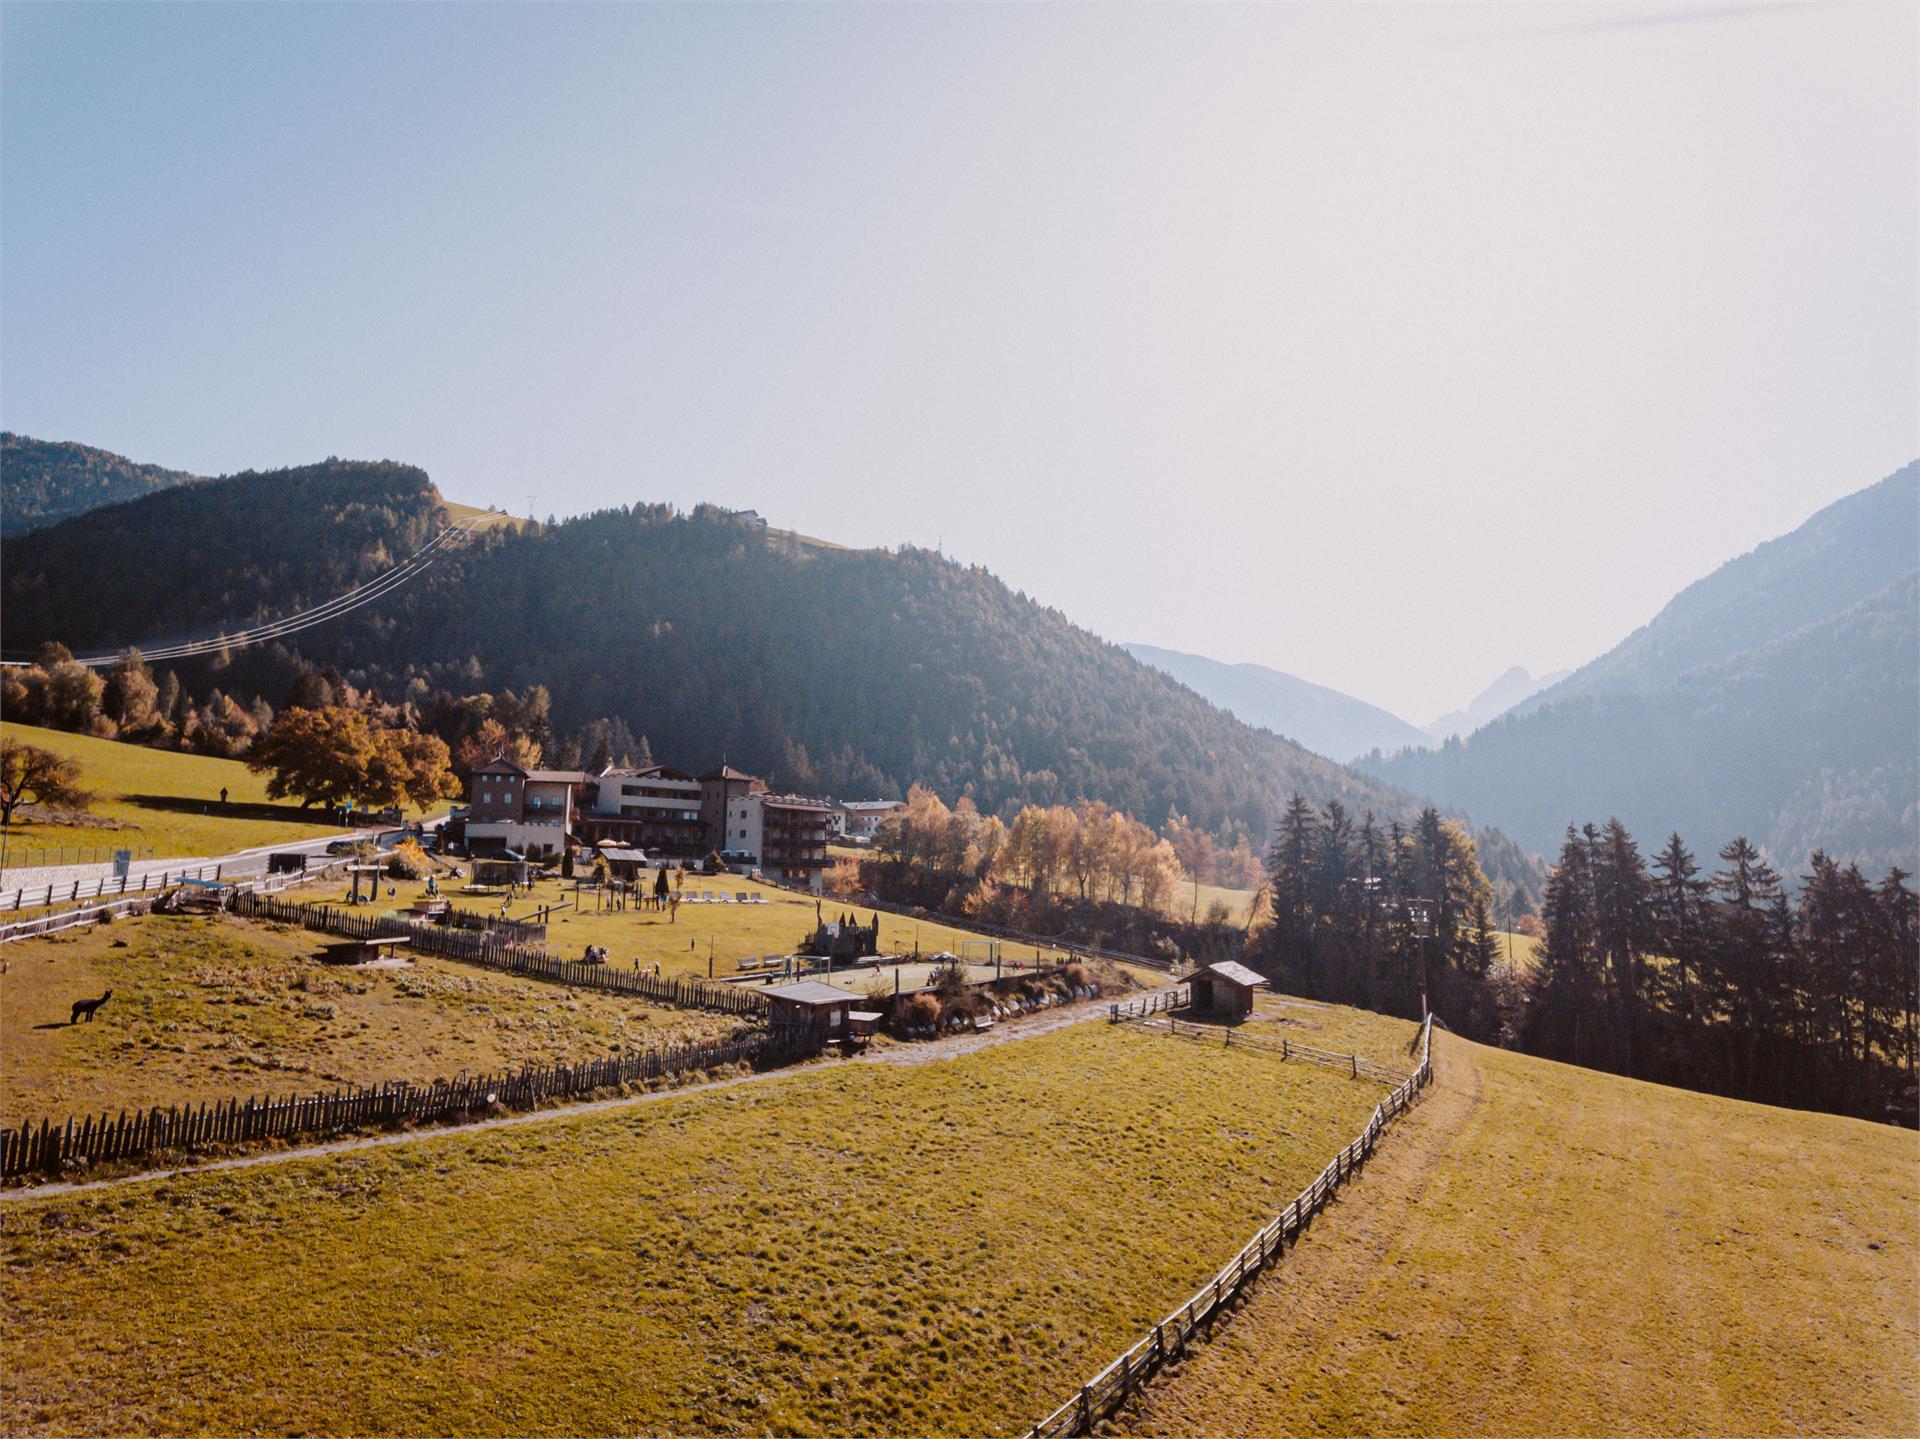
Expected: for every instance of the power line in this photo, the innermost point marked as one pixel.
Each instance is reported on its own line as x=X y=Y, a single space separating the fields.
x=420 y=560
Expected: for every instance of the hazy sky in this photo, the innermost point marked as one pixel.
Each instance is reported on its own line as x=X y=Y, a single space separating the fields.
x=1388 y=346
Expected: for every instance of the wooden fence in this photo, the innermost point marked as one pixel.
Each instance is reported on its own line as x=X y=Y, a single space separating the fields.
x=136 y=904
x=492 y=951
x=1102 y=1396
x=49 y=1148
x=1141 y=1011
x=115 y=885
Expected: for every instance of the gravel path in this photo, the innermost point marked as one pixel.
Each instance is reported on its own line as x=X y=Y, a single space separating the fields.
x=929 y=1052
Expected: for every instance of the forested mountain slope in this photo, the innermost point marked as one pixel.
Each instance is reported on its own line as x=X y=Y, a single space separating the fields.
x=45 y=481
x=847 y=671
x=1847 y=552
x=214 y=555
x=1323 y=720
x=1806 y=741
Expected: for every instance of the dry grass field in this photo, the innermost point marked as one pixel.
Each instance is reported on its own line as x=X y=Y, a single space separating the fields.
x=859 y=1248
x=159 y=800
x=1548 y=1250
x=204 y=1008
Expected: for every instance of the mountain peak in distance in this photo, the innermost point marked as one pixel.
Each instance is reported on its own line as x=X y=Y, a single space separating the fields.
x=1512 y=688
x=1320 y=719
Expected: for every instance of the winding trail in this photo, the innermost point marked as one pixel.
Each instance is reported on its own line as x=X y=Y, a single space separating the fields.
x=933 y=1051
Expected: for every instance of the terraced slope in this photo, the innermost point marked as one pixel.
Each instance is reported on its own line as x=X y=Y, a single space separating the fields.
x=1546 y=1250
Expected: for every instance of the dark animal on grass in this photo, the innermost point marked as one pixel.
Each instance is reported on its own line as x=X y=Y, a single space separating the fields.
x=87 y=1007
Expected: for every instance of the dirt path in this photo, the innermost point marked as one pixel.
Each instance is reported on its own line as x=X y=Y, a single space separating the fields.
x=1226 y=1385
x=1539 y=1249
x=930 y=1052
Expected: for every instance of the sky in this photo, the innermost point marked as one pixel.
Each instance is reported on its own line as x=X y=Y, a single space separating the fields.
x=1388 y=346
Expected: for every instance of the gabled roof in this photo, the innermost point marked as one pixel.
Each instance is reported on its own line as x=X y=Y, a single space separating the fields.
x=1235 y=973
x=809 y=991
x=500 y=764
x=726 y=771
x=651 y=771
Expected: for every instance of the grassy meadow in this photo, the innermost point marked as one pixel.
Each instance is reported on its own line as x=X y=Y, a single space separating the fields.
x=205 y=1008
x=684 y=943
x=160 y=800
x=479 y=516
x=1549 y=1250
x=938 y=1248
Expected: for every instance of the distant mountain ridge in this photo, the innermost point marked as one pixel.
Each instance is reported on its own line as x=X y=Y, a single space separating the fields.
x=1323 y=720
x=45 y=481
x=1779 y=698
x=1495 y=700
x=1845 y=553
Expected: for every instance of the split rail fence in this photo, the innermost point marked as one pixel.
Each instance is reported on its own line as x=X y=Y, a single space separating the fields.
x=1169 y=1001
x=50 y=1148
x=491 y=951
x=1103 y=1396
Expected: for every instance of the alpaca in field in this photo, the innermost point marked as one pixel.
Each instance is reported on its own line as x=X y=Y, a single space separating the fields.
x=87 y=1007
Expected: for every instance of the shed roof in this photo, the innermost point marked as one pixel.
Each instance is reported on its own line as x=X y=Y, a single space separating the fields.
x=809 y=991
x=1235 y=973
x=625 y=856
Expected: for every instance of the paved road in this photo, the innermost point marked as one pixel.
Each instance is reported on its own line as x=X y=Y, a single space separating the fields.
x=1027 y=1027
x=28 y=886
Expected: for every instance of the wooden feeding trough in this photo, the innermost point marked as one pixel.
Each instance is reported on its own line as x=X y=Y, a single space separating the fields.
x=365 y=951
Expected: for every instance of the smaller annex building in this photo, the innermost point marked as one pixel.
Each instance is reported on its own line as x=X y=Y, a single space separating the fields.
x=811 y=1004
x=1224 y=988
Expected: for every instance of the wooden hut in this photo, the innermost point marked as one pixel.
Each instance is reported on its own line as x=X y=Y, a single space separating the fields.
x=811 y=1004
x=1224 y=989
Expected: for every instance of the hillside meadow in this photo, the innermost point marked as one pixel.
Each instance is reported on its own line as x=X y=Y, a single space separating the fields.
x=159 y=800
x=1550 y=1250
x=205 y=1008
x=862 y=1248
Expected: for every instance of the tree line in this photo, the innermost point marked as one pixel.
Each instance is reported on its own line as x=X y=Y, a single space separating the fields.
x=1385 y=916
x=1731 y=981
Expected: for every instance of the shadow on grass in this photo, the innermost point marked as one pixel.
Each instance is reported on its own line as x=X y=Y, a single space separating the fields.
x=234 y=809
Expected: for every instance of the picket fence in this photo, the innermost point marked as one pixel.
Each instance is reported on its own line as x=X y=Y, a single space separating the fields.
x=1102 y=1396
x=492 y=951
x=51 y=1148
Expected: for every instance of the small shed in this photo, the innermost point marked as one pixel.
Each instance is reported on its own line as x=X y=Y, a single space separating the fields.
x=622 y=862
x=1225 y=988
x=812 y=1004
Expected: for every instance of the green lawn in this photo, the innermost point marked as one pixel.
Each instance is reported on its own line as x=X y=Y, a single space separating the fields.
x=850 y=1249
x=159 y=800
